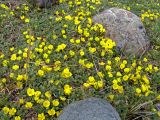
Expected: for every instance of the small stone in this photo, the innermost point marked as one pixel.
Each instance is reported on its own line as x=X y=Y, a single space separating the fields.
x=126 y=29
x=89 y=109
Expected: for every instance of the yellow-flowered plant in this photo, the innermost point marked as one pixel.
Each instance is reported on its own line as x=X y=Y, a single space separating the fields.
x=63 y=56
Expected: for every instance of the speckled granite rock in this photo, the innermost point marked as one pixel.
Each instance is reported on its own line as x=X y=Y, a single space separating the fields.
x=89 y=109
x=126 y=29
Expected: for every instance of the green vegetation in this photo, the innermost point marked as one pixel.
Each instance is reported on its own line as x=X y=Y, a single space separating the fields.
x=52 y=57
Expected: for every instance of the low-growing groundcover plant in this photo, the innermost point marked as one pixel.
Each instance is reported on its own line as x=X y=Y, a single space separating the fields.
x=50 y=58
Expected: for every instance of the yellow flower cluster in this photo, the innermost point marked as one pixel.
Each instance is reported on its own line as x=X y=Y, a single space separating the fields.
x=10 y=111
x=107 y=44
x=150 y=15
x=87 y=65
x=61 y=47
x=4 y=7
x=116 y=86
x=92 y=82
x=66 y=73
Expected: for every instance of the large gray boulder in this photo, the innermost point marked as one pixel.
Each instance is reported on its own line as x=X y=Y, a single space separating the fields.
x=89 y=109
x=126 y=29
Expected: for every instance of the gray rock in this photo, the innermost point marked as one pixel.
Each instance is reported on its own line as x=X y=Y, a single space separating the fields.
x=44 y=3
x=126 y=29
x=89 y=109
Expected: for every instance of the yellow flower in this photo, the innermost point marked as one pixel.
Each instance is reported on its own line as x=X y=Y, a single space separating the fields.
x=76 y=21
x=41 y=116
x=20 y=77
x=4 y=6
x=100 y=74
x=66 y=73
x=101 y=63
x=81 y=61
x=108 y=67
x=117 y=59
x=122 y=66
x=86 y=85
x=124 y=62
x=1 y=55
x=24 y=54
x=27 y=20
x=63 y=31
x=11 y=49
x=100 y=84
x=51 y=112
x=80 y=31
x=5 y=62
x=50 y=47
x=89 y=65
x=111 y=97
x=48 y=94
x=145 y=79
x=40 y=73
x=58 y=113
x=125 y=77
x=30 y=92
x=110 y=74
x=61 y=47
x=71 y=40
x=147 y=69
x=5 y=110
x=57 y=65
x=25 y=76
x=81 y=52
x=144 y=88
x=158 y=97
x=4 y=80
x=36 y=98
x=17 y=118
x=78 y=41
x=120 y=89
x=126 y=70
x=21 y=101
x=138 y=90
x=45 y=55
x=13 y=57
x=46 y=103
x=12 y=111
x=28 y=105
x=64 y=36
x=19 y=85
x=145 y=59
x=109 y=62
x=26 y=8
x=91 y=80
x=67 y=89
x=156 y=69
x=62 y=98
x=22 y=17
x=71 y=52
x=68 y=17
x=54 y=37
x=26 y=65
x=55 y=103
x=118 y=74
x=92 y=50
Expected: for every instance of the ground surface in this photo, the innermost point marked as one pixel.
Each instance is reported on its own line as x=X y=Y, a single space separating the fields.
x=48 y=60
